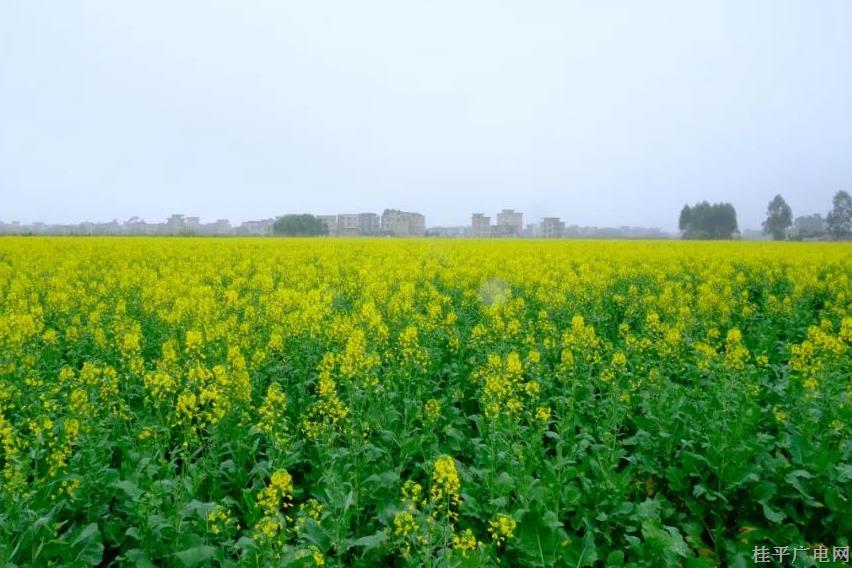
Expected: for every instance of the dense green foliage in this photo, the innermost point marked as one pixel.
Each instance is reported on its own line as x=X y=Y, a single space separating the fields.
x=706 y=221
x=808 y=227
x=839 y=219
x=779 y=217
x=299 y=226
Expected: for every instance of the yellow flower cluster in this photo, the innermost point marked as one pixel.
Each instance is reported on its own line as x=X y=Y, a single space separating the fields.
x=355 y=363
x=465 y=542
x=310 y=509
x=208 y=396
x=412 y=494
x=409 y=346
x=502 y=528
x=329 y=409
x=278 y=494
x=504 y=389
x=432 y=409
x=736 y=354
x=422 y=519
x=404 y=524
x=272 y=421
x=13 y=478
x=580 y=344
x=446 y=487
x=819 y=349
x=273 y=500
x=220 y=520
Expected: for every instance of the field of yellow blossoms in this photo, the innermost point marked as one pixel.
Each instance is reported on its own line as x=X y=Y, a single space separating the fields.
x=270 y=402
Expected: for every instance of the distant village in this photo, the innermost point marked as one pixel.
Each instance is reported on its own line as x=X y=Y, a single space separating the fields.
x=391 y=223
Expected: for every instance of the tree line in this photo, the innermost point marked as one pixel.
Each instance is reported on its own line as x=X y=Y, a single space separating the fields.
x=299 y=226
x=836 y=225
x=706 y=221
x=719 y=221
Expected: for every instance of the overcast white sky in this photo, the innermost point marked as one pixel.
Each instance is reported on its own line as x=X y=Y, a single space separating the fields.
x=601 y=112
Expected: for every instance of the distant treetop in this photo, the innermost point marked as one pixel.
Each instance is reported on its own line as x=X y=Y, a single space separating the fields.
x=779 y=217
x=299 y=226
x=706 y=221
x=839 y=220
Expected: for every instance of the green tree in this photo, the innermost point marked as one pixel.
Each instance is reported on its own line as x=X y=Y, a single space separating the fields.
x=299 y=226
x=683 y=222
x=839 y=220
x=779 y=217
x=808 y=227
x=706 y=221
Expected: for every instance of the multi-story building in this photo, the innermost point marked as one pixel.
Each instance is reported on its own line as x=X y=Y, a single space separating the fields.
x=10 y=228
x=348 y=225
x=448 y=232
x=256 y=228
x=178 y=224
x=191 y=224
x=174 y=224
x=510 y=223
x=223 y=227
x=552 y=228
x=532 y=231
x=371 y=223
x=358 y=224
x=135 y=226
x=111 y=228
x=330 y=221
x=480 y=226
x=219 y=228
x=403 y=223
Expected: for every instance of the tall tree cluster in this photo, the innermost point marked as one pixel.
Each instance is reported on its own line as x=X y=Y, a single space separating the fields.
x=839 y=221
x=719 y=221
x=779 y=217
x=706 y=221
x=808 y=227
x=837 y=224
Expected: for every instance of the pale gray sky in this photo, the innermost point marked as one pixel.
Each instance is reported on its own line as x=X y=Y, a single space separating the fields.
x=601 y=112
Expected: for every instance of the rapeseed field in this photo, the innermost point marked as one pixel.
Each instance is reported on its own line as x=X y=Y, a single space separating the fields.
x=328 y=402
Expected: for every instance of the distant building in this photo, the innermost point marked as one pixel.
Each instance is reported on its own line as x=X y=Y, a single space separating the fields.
x=403 y=223
x=575 y=231
x=136 y=226
x=112 y=228
x=510 y=223
x=330 y=221
x=191 y=224
x=177 y=224
x=358 y=224
x=552 y=228
x=371 y=224
x=480 y=226
x=392 y=222
x=448 y=232
x=220 y=228
x=348 y=225
x=256 y=228
x=532 y=231
x=174 y=224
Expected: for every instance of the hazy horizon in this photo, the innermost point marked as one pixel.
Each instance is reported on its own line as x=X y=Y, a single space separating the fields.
x=603 y=114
